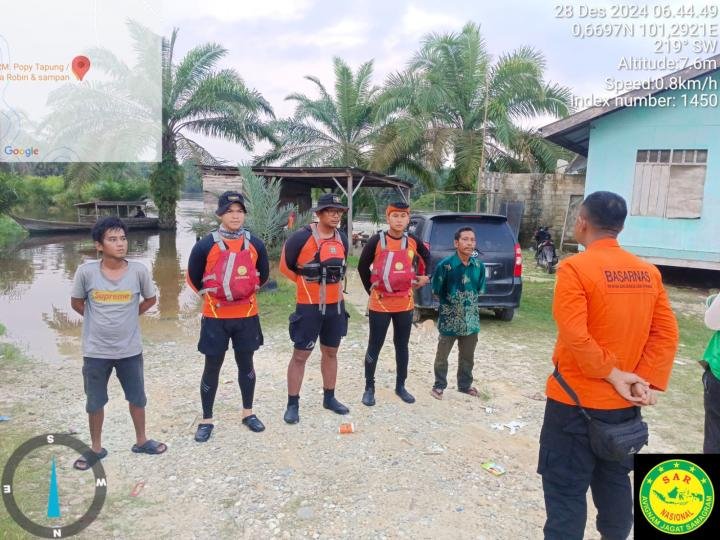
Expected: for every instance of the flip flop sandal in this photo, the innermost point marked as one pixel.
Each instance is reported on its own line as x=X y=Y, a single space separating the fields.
x=437 y=393
x=203 y=432
x=150 y=447
x=472 y=391
x=83 y=462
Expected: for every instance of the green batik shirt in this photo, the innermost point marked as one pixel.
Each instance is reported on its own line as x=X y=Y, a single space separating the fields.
x=459 y=288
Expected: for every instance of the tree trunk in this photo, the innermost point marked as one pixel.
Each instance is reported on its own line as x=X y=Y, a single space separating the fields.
x=165 y=182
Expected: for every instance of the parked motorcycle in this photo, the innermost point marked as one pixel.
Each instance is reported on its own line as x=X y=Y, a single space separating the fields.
x=545 y=254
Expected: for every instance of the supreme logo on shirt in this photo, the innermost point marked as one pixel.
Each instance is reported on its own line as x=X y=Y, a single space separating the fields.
x=112 y=297
x=626 y=280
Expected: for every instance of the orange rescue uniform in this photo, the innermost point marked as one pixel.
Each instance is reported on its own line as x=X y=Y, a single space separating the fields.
x=299 y=250
x=233 y=311
x=611 y=310
x=395 y=304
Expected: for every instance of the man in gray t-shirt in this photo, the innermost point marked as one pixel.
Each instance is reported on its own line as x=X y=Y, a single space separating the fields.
x=107 y=293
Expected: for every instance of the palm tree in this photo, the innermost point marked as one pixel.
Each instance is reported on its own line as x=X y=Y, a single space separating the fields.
x=331 y=130
x=453 y=104
x=198 y=99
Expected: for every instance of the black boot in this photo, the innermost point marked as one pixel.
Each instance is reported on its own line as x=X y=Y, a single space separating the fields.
x=292 y=414
x=406 y=396
x=329 y=402
x=369 y=396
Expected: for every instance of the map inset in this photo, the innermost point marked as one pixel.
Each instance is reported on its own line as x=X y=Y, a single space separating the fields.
x=81 y=81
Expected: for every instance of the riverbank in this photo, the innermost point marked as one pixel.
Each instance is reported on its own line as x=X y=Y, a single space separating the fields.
x=10 y=233
x=410 y=471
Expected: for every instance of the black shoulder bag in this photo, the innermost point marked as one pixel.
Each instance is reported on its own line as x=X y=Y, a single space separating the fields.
x=611 y=442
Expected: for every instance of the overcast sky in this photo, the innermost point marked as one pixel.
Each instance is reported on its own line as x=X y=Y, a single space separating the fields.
x=273 y=44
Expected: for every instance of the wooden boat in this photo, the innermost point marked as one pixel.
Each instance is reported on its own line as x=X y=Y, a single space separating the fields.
x=131 y=212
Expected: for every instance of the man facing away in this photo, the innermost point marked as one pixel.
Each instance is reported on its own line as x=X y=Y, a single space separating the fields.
x=387 y=270
x=616 y=342
x=227 y=267
x=107 y=294
x=314 y=258
x=458 y=281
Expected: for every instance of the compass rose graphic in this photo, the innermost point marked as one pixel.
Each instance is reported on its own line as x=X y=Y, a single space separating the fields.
x=24 y=479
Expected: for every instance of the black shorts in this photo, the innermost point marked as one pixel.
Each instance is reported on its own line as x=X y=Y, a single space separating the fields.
x=308 y=323
x=215 y=335
x=96 y=374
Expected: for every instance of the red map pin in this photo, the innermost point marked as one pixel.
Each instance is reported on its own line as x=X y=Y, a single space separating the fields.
x=80 y=66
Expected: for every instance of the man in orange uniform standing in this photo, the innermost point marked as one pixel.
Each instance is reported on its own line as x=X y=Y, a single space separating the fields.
x=393 y=256
x=314 y=258
x=226 y=267
x=617 y=338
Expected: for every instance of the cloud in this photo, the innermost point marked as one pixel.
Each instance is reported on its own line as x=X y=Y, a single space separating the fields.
x=398 y=47
x=228 y=12
x=416 y=22
x=344 y=34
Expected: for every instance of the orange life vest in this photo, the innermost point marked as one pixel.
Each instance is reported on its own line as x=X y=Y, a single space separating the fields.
x=392 y=272
x=234 y=278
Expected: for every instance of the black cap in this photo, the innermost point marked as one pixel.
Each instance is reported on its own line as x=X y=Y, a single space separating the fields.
x=329 y=200
x=227 y=199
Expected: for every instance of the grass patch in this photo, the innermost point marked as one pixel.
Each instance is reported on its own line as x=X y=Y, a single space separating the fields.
x=535 y=313
x=276 y=305
x=10 y=232
x=11 y=356
x=11 y=439
x=694 y=336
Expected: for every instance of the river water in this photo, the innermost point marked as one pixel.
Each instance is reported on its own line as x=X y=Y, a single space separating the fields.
x=36 y=278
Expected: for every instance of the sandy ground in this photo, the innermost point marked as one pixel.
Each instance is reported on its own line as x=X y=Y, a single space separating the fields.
x=410 y=471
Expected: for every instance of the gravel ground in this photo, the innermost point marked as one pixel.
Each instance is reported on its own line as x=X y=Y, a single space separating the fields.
x=410 y=471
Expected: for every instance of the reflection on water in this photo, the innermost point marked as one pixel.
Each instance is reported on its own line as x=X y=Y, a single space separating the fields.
x=35 y=283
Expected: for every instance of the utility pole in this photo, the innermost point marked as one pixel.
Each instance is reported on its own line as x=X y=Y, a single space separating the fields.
x=481 y=171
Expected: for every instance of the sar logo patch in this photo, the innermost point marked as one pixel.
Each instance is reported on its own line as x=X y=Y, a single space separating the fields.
x=242 y=270
x=676 y=497
x=399 y=266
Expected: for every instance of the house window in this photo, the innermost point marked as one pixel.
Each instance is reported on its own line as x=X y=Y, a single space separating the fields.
x=669 y=183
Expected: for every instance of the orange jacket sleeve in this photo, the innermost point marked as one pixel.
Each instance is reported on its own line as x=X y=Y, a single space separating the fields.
x=570 y=313
x=658 y=354
x=292 y=276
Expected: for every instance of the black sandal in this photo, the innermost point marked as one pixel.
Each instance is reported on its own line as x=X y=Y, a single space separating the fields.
x=86 y=461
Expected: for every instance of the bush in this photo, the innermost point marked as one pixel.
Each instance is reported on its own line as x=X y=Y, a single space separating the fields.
x=10 y=192
x=117 y=190
x=266 y=218
x=10 y=232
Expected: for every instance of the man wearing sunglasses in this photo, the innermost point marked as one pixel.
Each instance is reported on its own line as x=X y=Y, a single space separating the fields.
x=314 y=258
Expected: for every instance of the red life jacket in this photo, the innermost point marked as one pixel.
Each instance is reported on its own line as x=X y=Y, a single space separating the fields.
x=392 y=272
x=234 y=278
x=328 y=265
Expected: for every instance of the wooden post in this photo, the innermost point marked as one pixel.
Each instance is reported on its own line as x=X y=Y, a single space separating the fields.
x=350 y=208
